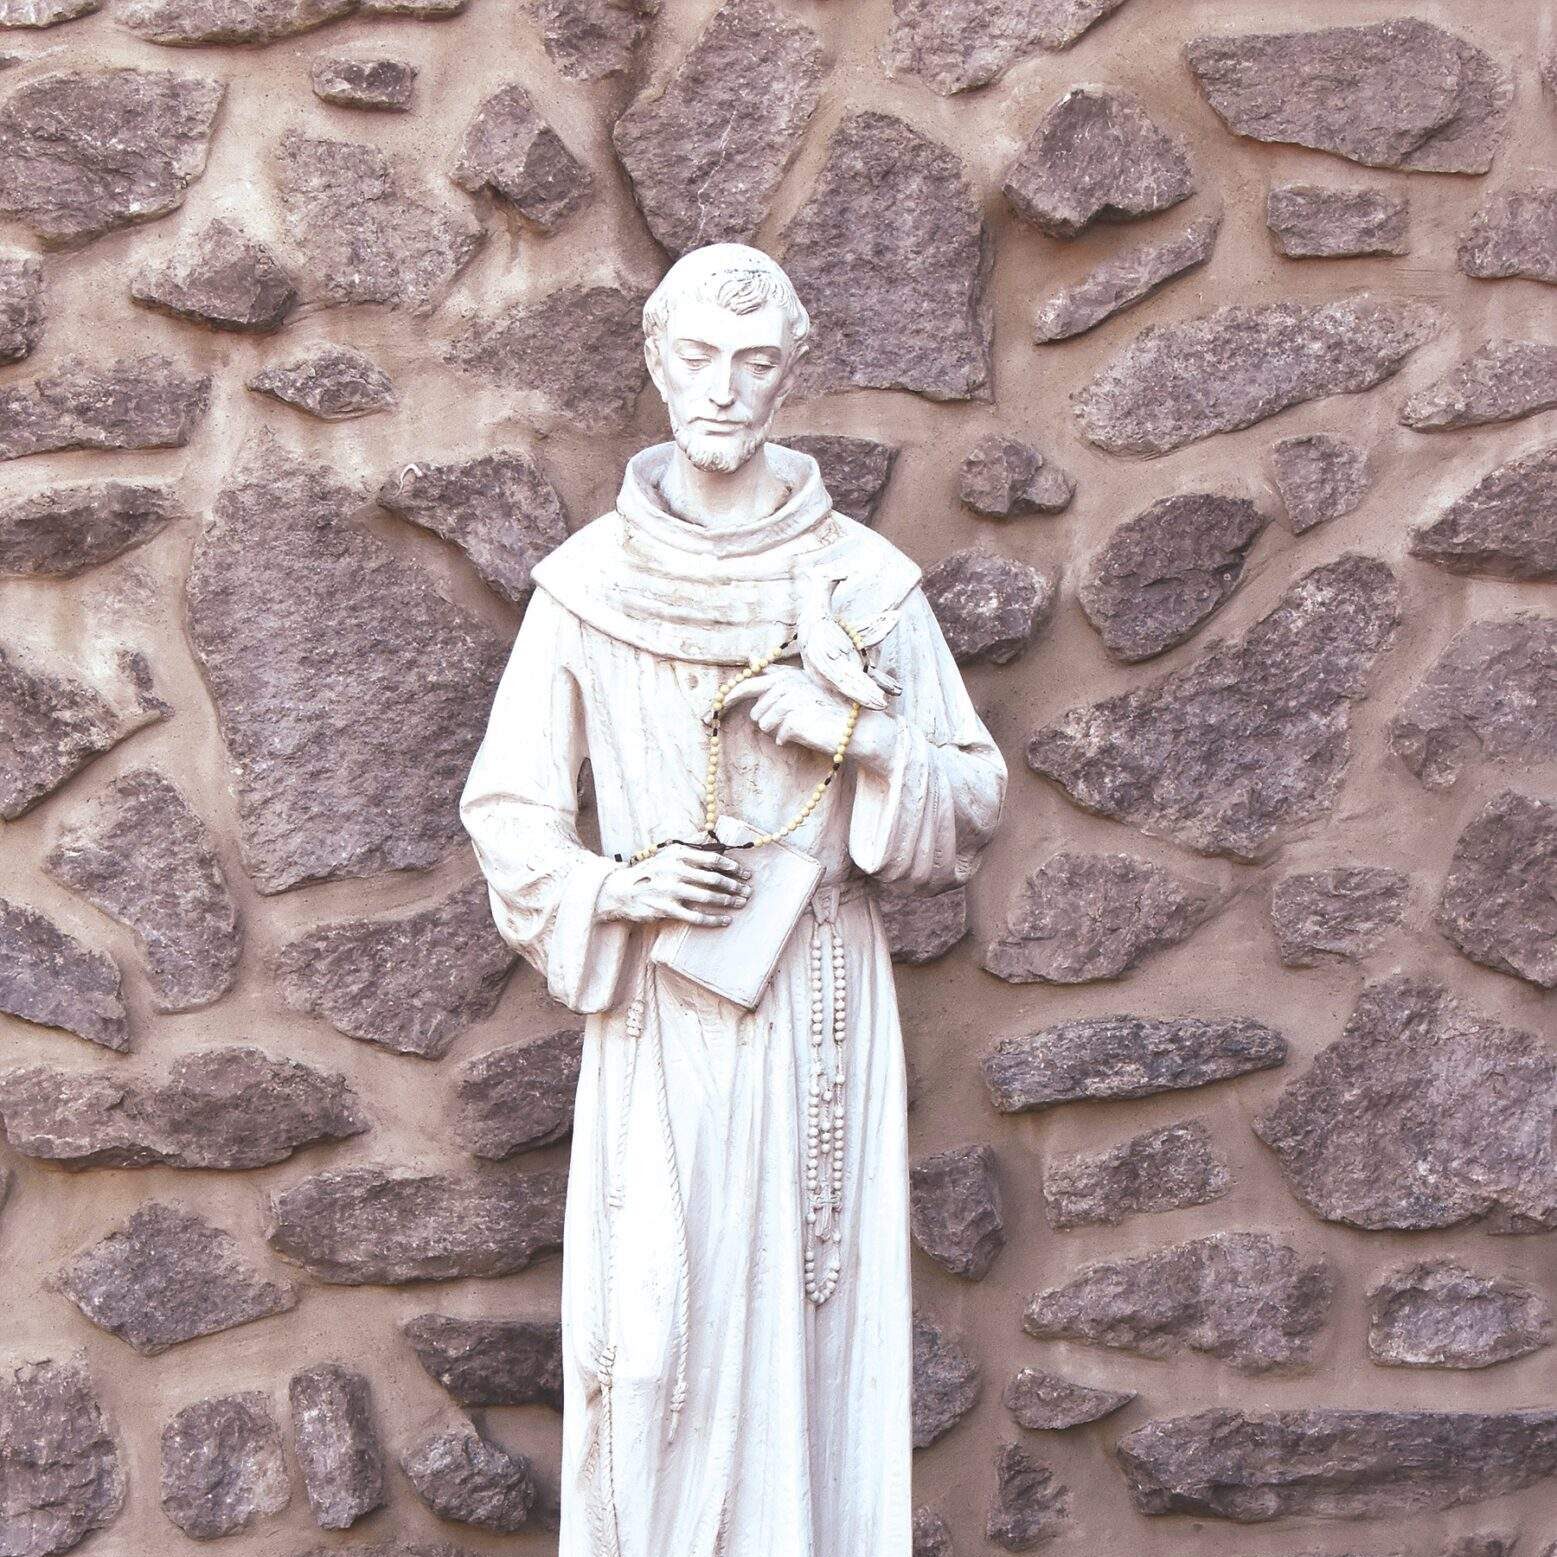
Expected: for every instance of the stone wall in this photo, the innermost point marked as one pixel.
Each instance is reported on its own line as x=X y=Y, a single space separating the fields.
x=1206 y=374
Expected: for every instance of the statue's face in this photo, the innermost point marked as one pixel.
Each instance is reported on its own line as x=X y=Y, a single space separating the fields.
x=723 y=376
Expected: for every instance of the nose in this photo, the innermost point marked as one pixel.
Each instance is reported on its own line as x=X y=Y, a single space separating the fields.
x=721 y=389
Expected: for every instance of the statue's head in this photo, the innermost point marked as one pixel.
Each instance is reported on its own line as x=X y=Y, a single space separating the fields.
x=723 y=333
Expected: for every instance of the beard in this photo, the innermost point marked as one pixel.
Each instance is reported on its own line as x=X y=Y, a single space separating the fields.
x=720 y=452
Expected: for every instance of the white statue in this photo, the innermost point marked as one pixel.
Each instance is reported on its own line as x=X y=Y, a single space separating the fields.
x=735 y=1282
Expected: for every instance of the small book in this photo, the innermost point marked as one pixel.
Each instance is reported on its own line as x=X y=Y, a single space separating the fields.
x=737 y=960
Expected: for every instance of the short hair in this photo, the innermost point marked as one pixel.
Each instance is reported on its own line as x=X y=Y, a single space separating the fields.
x=733 y=275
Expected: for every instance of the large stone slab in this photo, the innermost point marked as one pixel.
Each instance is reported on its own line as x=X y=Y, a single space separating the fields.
x=1440 y=1314
x=337 y=1444
x=333 y=383
x=1400 y=93
x=1080 y=917
x=366 y=1225
x=62 y=530
x=1320 y=221
x=1159 y=1170
x=1422 y=1114
x=1514 y=233
x=83 y=152
x=1125 y=1056
x=946 y=1381
x=491 y=1362
x=989 y=608
x=352 y=696
x=1245 y=1298
x=44 y=13
x=1252 y=1466
x=512 y=151
x=1505 y=526
x=49 y=977
x=227 y=1107
x=1499 y=382
x=1177 y=383
x=954 y=1209
x=1233 y=753
x=21 y=304
x=921 y=927
x=141 y=855
x=518 y=1097
x=1319 y=478
x=464 y=1476
x=855 y=471
x=191 y=22
x=223 y=1466
x=220 y=277
x=891 y=256
x=588 y=40
x=706 y=147
x=1031 y=1507
x=168 y=1276
x=1044 y=1402
x=1342 y=913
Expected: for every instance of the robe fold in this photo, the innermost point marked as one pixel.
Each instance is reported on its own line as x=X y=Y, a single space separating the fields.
x=711 y=1408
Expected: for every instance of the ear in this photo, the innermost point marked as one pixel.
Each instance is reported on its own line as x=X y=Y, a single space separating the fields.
x=651 y=357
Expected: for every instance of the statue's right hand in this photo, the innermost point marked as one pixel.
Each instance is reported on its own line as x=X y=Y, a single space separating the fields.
x=700 y=886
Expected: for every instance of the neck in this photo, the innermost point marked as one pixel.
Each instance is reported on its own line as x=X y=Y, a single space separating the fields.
x=721 y=497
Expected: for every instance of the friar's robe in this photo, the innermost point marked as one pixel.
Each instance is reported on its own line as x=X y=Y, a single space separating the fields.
x=711 y=1408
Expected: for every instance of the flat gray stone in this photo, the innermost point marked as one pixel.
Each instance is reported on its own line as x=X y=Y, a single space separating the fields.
x=1499 y=382
x=220 y=277
x=50 y=978
x=946 y=1381
x=1124 y=1057
x=1123 y=280
x=1514 y=233
x=519 y=1097
x=855 y=471
x=1319 y=478
x=1158 y=1170
x=1438 y=1313
x=923 y=926
x=333 y=383
x=1342 y=913
x=491 y=1362
x=337 y=1444
x=1422 y=1114
x=223 y=1466
x=298 y=614
x=1504 y=527
x=44 y=13
x=954 y=1209
x=1031 y=1507
x=362 y=1226
x=1253 y=1466
x=498 y=508
x=1161 y=575
x=1177 y=383
x=510 y=150
x=706 y=147
x=931 y=1537
x=1003 y=479
x=1401 y=93
x=1080 y=917
x=142 y=856
x=131 y=403
x=65 y=529
x=891 y=255
x=1044 y=1402
x=1491 y=696
x=411 y=983
x=381 y=85
x=21 y=304
x=360 y=235
x=1499 y=902
x=83 y=152
x=1321 y=221
x=168 y=1276
x=588 y=40
x=463 y=1476
x=191 y=22
x=989 y=608
x=60 y=1472
x=1235 y=751
x=227 y=1107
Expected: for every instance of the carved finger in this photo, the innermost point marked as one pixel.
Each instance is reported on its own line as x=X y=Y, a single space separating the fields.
x=694 y=915
x=730 y=886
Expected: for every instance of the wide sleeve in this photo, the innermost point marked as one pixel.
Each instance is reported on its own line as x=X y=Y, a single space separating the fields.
x=924 y=820
x=520 y=807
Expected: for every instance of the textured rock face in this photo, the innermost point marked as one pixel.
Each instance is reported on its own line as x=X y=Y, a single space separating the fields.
x=512 y=151
x=1252 y=1466
x=1160 y=575
x=946 y=1382
x=50 y=978
x=497 y=508
x=1319 y=478
x=228 y=21
x=855 y=471
x=1318 y=221
x=410 y=984
x=462 y=1476
x=63 y=530
x=1176 y=383
x=491 y=1362
x=1123 y=280
x=1505 y=526
x=333 y=383
x=1438 y=1314
x=59 y=1462
x=1231 y=753
x=921 y=928
x=337 y=1444
x=1341 y=913
x=1001 y=479
x=954 y=1209
x=931 y=1537
x=222 y=278
x=383 y=84
x=231 y=1107
x=222 y=1466
x=1080 y=917
x=706 y=149
x=44 y=13
x=1400 y=93
x=1513 y=234
x=1498 y=904
x=364 y=1225
x=1125 y=1056
x=21 y=305
x=83 y=152
x=1160 y=1170
x=1422 y=1114
x=167 y=1276
x=1044 y=1402
x=1097 y=156
x=379 y=737
x=891 y=257
x=142 y=856
x=989 y=608
x=590 y=39
x=1031 y=1507
x=360 y=236
x=1499 y=382
x=1242 y=1297
x=519 y=1097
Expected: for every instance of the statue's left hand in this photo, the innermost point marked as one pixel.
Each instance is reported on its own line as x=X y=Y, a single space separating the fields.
x=791 y=706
